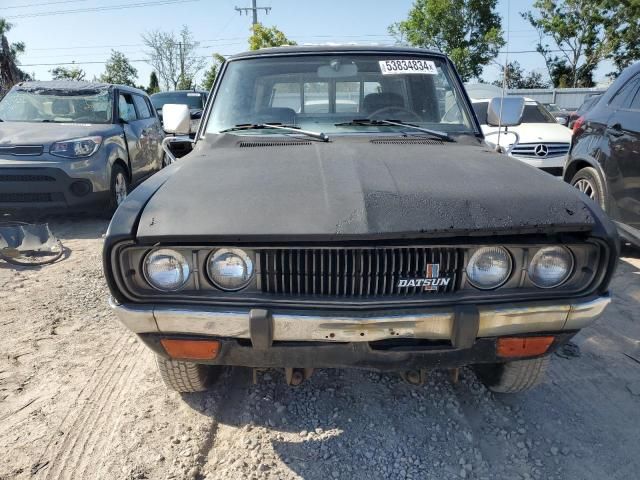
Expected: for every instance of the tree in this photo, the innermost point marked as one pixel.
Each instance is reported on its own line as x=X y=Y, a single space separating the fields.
x=585 y=32
x=118 y=70
x=173 y=56
x=64 y=73
x=10 y=74
x=211 y=74
x=154 y=86
x=517 y=78
x=264 y=37
x=469 y=31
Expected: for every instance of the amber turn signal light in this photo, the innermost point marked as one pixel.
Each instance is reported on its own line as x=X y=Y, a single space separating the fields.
x=523 y=346
x=191 y=349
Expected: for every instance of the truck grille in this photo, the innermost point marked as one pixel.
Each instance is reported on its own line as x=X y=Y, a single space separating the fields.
x=540 y=150
x=356 y=272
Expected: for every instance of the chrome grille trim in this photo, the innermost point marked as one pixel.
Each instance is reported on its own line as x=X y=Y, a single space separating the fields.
x=353 y=272
x=528 y=149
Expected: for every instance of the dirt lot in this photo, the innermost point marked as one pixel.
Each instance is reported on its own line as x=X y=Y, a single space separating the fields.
x=80 y=398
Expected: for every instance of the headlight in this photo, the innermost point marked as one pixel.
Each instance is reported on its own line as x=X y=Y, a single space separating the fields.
x=550 y=267
x=76 y=148
x=230 y=269
x=166 y=270
x=489 y=267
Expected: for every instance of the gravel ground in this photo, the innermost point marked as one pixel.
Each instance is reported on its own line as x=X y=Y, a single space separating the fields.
x=80 y=398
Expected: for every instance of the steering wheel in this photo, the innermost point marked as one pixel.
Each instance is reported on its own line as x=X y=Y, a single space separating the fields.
x=386 y=112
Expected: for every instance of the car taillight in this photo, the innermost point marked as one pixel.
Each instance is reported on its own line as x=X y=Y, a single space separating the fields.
x=578 y=124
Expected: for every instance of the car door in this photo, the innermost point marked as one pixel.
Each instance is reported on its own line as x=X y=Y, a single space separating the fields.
x=150 y=136
x=133 y=135
x=623 y=135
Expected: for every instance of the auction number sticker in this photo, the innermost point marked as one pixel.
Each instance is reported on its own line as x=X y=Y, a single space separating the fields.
x=401 y=67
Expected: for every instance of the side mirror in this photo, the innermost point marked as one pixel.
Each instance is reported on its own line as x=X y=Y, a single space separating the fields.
x=176 y=119
x=505 y=112
x=561 y=120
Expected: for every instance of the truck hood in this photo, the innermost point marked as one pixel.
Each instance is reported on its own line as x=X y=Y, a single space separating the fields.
x=233 y=189
x=533 y=133
x=32 y=133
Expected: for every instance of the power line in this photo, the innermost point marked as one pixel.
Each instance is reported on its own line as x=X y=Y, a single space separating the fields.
x=100 y=9
x=27 y=5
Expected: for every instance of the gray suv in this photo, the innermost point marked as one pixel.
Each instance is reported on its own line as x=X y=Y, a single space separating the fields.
x=75 y=145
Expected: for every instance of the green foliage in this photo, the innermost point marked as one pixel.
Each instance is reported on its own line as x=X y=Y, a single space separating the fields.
x=469 y=31
x=154 y=85
x=517 y=78
x=118 y=70
x=264 y=37
x=211 y=74
x=585 y=32
x=10 y=74
x=64 y=73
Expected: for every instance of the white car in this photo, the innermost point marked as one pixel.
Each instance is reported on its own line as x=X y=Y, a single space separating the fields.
x=542 y=143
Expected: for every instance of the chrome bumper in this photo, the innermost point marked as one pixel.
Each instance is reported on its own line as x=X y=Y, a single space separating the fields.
x=431 y=323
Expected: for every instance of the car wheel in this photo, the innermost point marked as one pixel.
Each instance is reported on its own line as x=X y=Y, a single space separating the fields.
x=588 y=182
x=513 y=377
x=119 y=188
x=186 y=377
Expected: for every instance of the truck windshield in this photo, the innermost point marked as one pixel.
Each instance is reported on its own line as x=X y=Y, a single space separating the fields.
x=84 y=106
x=328 y=93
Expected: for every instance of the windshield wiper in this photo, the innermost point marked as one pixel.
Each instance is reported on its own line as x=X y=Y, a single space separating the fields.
x=397 y=123
x=289 y=128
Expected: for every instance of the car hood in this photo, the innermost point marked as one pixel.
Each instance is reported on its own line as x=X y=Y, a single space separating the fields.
x=233 y=189
x=534 y=133
x=28 y=133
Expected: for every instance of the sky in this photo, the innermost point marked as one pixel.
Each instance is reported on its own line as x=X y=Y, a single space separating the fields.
x=85 y=31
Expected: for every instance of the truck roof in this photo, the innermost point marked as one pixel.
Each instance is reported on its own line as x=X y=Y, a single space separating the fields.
x=319 y=49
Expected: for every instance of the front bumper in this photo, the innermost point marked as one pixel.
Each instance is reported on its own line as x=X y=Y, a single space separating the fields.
x=461 y=325
x=53 y=184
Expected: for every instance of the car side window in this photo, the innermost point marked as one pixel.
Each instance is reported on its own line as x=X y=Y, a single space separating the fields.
x=126 y=108
x=624 y=97
x=142 y=107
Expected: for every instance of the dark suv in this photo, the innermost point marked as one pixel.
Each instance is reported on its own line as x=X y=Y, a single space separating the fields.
x=604 y=161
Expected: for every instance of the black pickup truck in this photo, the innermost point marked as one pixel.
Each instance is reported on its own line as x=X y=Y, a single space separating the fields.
x=340 y=208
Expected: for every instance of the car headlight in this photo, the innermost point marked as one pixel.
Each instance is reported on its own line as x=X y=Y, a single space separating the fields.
x=230 y=269
x=166 y=270
x=550 y=267
x=489 y=267
x=76 y=148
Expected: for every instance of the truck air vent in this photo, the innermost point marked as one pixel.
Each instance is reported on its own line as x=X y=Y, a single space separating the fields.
x=273 y=143
x=406 y=141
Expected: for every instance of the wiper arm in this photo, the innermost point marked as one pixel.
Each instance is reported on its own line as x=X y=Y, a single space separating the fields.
x=289 y=128
x=367 y=121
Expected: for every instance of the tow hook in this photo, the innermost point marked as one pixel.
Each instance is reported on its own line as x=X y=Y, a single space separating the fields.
x=295 y=376
x=414 y=377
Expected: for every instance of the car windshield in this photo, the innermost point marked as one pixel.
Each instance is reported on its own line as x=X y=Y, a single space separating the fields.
x=327 y=93
x=82 y=106
x=533 y=113
x=193 y=100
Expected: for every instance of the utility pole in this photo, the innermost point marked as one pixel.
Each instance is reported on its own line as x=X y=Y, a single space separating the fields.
x=254 y=9
x=181 y=45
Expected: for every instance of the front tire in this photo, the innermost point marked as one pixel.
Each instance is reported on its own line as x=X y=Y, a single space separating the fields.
x=185 y=377
x=588 y=182
x=119 y=188
x=515 y=376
